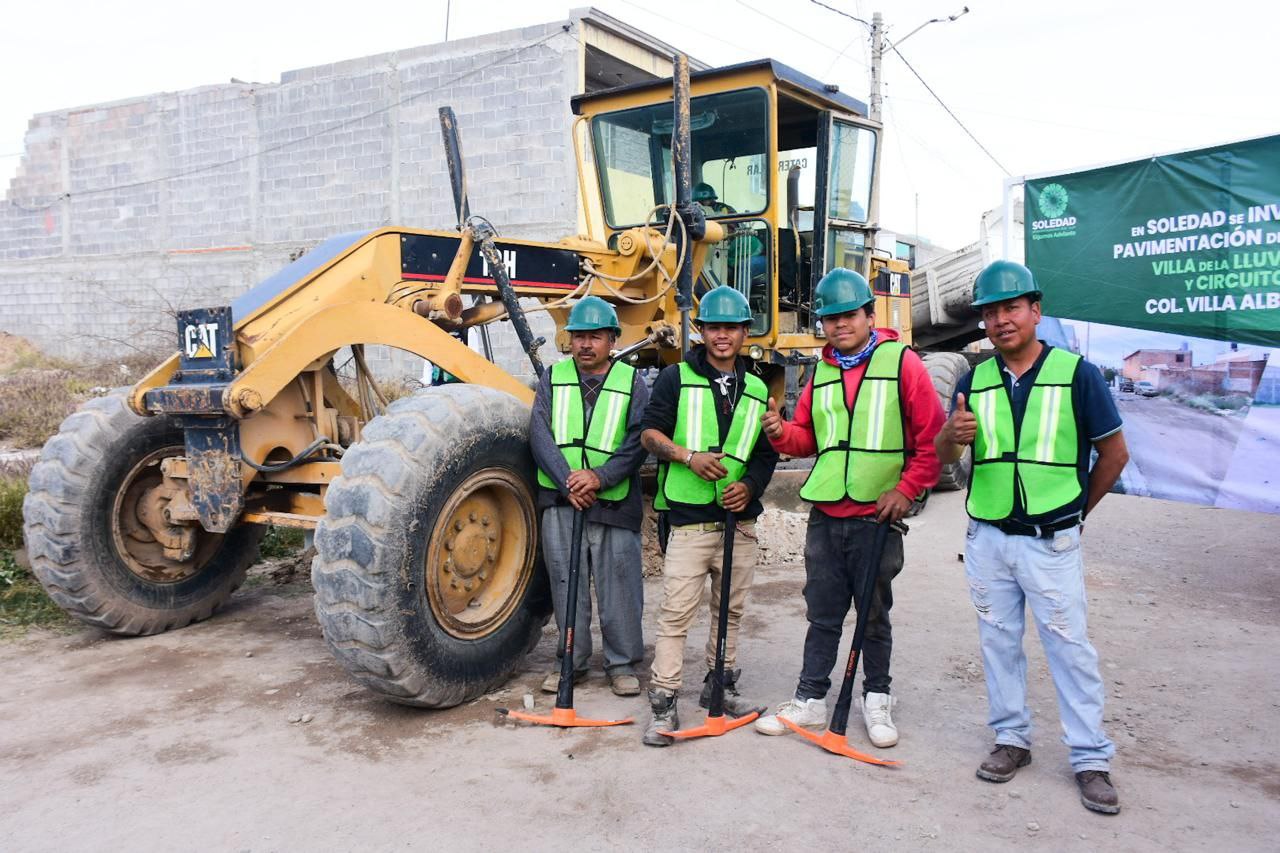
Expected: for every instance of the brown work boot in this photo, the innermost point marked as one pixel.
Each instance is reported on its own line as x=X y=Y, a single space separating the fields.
x=624 y=684
x=1003 y=763
x=551 y=684
x=1097 y=793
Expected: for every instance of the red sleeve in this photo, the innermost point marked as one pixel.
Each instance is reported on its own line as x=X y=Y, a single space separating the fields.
x=924 y=418
x=797 y=434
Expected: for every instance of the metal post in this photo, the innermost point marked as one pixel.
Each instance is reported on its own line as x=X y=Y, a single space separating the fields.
x=453 y=154
x=877 y=56
x=1006 y=235
x=683 y=167
x=515 y=314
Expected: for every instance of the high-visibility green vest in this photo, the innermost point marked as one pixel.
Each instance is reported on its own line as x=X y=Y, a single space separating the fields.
x=698 y=429
x=1038 y=459
x=590 y=444
x=861 y=452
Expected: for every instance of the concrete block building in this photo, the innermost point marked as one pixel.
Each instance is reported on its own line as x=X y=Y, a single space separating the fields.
x=122 y=213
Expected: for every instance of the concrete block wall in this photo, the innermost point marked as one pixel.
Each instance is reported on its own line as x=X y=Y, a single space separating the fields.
x=122 y=213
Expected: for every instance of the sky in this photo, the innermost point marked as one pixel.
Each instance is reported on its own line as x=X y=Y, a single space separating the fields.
x=1045 y=87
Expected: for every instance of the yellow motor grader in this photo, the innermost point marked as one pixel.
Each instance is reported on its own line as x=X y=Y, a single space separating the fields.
x=147 y=507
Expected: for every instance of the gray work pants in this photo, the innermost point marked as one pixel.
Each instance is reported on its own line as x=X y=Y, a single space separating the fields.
x=610 y=558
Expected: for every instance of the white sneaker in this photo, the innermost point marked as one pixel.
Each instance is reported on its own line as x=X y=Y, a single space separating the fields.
x=810 y=713
x=877 y=713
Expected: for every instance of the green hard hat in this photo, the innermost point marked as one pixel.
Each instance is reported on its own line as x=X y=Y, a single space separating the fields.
x=1001 y=280
x=593 y=313
x=704 y=192
x=724 y=305
x=841 y=290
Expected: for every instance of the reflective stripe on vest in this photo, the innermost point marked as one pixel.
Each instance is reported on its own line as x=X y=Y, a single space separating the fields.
x=589 y=445
x=861 y=449
x=1037 y=460
x=698 y=429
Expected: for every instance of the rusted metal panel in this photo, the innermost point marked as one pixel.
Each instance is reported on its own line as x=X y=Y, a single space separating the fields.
x=213 y=471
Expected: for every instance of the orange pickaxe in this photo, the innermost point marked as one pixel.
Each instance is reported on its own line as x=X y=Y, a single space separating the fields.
x=833 y=739
x=563 y=714
x=717 y=723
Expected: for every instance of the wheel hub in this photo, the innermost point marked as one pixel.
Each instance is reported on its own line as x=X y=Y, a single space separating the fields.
x=480 y=557
x=148 y=543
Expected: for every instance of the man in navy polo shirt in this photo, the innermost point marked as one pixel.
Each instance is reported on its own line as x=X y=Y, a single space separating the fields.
x=1034 y=414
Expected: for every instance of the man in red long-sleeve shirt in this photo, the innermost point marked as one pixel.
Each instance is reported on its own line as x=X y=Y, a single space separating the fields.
x=870 y=414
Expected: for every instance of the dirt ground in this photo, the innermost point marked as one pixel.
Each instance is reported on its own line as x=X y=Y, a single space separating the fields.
x=184 y=740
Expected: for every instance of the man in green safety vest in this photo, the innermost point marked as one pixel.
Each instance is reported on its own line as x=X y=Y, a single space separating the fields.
x=585 y=435
x=702 y=424
x=1033 y=415
x=870 y=413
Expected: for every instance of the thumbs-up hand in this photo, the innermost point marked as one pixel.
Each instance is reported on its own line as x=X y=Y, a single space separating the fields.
x=962 y=425
x=771 y=421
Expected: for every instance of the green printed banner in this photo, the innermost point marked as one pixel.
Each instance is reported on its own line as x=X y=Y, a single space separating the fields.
x=1187 y=243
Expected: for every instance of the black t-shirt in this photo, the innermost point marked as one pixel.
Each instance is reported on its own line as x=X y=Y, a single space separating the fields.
x=660 y=414
x=1091 y=400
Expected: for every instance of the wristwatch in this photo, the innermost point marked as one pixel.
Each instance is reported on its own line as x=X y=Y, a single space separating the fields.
x=689 y=458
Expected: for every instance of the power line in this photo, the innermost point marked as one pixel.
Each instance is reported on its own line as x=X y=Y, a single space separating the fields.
x=955 y=117
x=841 y=12
x=271 y=149
x=901 y=151
x=841 y=54
x=927 y=87
x=785 y=25
x=900 y=129
x=1028 y=120
x=746 y=51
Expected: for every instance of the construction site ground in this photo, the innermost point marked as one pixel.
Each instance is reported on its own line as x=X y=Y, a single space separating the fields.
x=186 y=740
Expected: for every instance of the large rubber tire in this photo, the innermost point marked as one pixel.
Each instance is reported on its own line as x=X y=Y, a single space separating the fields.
x=379 y=576
x=946 y=369
x=72 y=527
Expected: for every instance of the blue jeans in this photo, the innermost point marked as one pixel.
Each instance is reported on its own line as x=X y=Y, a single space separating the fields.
x=1006 y=573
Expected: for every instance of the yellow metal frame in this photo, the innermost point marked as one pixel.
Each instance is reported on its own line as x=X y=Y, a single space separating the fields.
x=800 y=342
x=286 y=393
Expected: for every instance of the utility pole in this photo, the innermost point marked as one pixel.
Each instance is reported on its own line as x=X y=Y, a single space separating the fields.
x=878 y=47
x=877 y=55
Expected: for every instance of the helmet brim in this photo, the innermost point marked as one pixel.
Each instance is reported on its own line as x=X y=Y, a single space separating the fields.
x=728 y=321
x=586 y=327
x=842 y=307
x=990 y=300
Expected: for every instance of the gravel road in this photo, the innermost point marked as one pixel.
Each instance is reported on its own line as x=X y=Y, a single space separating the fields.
x=185 y=740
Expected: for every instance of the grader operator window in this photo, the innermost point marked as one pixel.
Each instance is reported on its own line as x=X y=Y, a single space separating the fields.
x=730 y=157
x=741 y=260
x=826 y=171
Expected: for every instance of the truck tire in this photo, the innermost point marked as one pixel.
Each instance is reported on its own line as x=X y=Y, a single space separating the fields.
x=429 y=588
x=946 y=369
x=89 y=496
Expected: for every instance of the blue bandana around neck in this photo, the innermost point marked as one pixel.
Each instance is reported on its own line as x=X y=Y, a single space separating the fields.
x=848 y=361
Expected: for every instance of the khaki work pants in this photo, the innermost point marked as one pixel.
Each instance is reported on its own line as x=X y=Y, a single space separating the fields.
x=693 y=556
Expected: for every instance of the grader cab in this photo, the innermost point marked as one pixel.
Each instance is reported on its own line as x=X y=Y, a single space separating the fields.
x=147 y=507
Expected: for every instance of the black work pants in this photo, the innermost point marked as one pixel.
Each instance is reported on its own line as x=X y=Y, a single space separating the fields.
x=836 y=551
